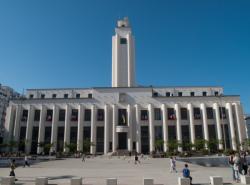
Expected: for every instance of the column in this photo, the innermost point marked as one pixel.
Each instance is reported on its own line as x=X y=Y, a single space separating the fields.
x=80 y=128
x=41 y=129
x=106 y=129
x=191 y=119
x=130 y=139
x=53 y=140
x=67 y=128
x=138 y=129
x=240 y=124
x=205 y=125
x=151 y=129
x=29 y=128
x=178 y=126
x=17 y=123
x=165 y=127
x=9 y=125
x=114 y=135
x=130 y=61
x=93 y=130
x=218 y=125
x=231 y=123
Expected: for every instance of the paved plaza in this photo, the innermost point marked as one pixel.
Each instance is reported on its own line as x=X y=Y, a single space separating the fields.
x=95 y=170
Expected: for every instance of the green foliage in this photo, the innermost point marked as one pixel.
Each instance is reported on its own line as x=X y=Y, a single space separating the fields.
x=199 y=144
x=159 y=144
x=72 y=147
x=173 y=145
x=86 y=145
x=212 y=145
x=47 y=147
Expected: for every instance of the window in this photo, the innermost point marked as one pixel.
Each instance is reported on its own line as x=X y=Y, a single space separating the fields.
x=179 y=93
x=216 y=93
x=31 y=96
x=157 y=112
x=89 y=95
x=223 y=113
x=87 y=115
x=122 y=117
x=167 y=94
x=53 y=95
x=49 y=115
x=74 y=115
x=184 y=114
x=100 y=114
x=123 y=41
x=204 y=93
x=24 y=115
x=66 y=95
x=144 y=115
x=197 y=113
x=171 y=114
x=155 y=94
x=191 y=93
x=77 y=95
x=37 y=115
x=62 y=115
x=42 y=96
x=210 y=113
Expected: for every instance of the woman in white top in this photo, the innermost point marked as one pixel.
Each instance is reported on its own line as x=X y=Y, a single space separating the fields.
x=173 y=165
x=236 y=167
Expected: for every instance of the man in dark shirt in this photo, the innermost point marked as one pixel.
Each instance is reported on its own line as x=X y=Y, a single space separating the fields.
x=186 y=173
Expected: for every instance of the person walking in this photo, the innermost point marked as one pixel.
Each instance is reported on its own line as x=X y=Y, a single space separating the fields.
x=231 y=164
x=12 y=169
x=137 y=159
x=26 y=162
x=83 y=157
x=237 y=167
x=244 y=165
x=186 y=173
x=173 y=164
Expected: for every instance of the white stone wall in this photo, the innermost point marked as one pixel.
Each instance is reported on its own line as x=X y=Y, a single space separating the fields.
x=123 y=98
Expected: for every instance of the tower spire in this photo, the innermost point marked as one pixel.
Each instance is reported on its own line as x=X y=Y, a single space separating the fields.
x=123 y=60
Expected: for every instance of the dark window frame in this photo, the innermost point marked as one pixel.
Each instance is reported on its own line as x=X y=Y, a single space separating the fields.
x=74 y=114
x=87 y=115
x=100 y=114
x=144 y=115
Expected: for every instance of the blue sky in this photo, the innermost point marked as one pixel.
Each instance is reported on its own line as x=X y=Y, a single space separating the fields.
x=48 y=44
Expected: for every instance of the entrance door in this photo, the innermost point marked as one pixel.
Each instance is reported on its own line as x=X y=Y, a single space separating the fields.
x=144 y=140
x=122 y=141
x=99 y=139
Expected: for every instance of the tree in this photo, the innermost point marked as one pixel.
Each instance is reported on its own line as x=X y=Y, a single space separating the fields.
x=199 y=144
x=159 y=144
x=86 y=145
x=213 y=145
x=173 y=145
x=72 y=147
x=47 y=147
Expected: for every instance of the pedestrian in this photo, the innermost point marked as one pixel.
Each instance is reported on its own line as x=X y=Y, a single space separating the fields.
x=26 y=162
x=186 y=173
x=173 y=165
x=83 y=157
x=231 y=164
x=136 y=159
x=12 y=168
x=244 y=165
x=237 y=167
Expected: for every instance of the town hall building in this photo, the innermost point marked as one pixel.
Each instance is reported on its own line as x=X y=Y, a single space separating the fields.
x=124 y=117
